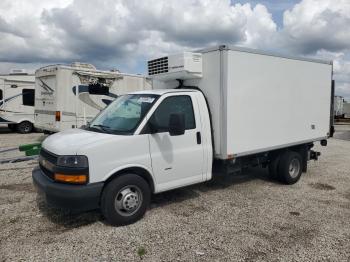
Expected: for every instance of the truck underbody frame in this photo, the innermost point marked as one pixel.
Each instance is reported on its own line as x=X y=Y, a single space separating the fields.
x=237 y=165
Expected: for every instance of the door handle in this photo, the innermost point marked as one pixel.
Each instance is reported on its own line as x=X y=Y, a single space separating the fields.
x=199 y=138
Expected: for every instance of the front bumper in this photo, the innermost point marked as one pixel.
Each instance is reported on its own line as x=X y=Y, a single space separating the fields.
x=74 y=197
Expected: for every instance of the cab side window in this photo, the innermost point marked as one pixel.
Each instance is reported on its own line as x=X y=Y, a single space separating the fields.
x=172 y=105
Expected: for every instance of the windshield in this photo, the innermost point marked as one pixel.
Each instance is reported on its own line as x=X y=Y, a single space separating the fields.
x=123 y=115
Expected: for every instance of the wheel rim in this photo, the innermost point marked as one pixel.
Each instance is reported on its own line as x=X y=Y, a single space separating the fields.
x=294 y=168
x=128 y=200
x=26 y=127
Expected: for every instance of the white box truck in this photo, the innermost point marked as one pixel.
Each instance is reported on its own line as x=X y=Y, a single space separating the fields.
x=17 y=100
x=222 y=107
x=68 y=96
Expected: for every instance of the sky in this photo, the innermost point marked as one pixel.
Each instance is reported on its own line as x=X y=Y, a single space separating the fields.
x=124 y=34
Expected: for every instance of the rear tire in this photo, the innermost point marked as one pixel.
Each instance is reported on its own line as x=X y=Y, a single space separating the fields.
x=24 y=127
x=125 y=199
x=290 y=167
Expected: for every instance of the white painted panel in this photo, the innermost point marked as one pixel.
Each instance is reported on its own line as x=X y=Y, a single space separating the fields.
x=275 y=101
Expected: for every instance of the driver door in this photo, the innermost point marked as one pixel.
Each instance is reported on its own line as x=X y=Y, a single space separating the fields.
x=176 y=160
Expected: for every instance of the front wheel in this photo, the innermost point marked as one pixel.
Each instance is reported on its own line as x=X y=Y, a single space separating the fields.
x=290 y=167
x=125 y=199
x=24 y=127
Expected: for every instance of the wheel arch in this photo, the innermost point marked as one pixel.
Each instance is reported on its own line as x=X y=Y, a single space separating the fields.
x=137 y=170
x=301 y=149
x=26 y=120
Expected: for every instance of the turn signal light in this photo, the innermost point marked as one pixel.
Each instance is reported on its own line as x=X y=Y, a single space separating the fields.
x=73 y=179
x=58 y=116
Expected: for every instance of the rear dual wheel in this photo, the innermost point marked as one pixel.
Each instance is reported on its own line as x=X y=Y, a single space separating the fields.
x=286 y=167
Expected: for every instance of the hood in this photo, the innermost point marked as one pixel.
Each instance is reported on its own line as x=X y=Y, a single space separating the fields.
x=72 y=141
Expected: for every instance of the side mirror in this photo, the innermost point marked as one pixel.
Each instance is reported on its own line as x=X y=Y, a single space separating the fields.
x=176 y=124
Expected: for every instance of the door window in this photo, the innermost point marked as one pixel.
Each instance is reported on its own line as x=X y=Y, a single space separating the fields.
x=173 y=105
x=28 y=97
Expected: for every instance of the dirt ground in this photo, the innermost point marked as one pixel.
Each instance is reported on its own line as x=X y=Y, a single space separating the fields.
x=244 y=217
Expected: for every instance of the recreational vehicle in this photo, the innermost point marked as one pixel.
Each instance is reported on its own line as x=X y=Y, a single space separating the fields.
x=69 y=96
x=17 y=100
x=216 y=109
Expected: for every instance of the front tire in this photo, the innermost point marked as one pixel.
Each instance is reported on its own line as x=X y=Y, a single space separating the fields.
x=290 y=167
x=24 y=127
x=125 y=199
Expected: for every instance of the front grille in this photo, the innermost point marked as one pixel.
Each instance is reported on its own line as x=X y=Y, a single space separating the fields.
x=158 y=66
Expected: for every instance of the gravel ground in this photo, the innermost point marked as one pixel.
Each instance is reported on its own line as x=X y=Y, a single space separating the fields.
x=231 y=218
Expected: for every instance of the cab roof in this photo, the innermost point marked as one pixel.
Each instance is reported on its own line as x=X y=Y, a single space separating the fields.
x=163 y=91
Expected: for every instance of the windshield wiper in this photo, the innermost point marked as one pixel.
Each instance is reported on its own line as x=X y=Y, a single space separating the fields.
x=104 y=128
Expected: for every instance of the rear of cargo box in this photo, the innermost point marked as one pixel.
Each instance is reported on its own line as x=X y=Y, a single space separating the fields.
x=273 y=102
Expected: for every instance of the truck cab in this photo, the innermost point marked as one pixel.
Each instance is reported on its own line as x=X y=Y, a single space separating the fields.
x=142 y=143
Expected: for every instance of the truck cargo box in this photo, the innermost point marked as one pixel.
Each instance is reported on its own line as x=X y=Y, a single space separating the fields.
x=259 y=101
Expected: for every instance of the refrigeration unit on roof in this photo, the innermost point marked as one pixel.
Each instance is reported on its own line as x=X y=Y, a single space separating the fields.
x=186 y=65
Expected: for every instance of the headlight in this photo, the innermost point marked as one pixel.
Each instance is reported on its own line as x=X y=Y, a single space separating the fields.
x=73 y=161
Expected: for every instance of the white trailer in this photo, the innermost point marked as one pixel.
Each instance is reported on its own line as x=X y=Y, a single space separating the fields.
x=346 y=109
x=69 y=96
x=17 y=100
x=338 y=107
x=223 y=107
